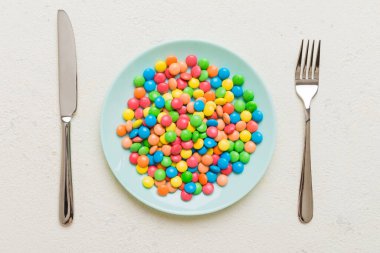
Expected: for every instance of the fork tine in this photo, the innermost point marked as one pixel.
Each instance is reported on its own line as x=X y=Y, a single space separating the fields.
x=305 y=65
x=316 y=70
x=298 y=67
x=309 y=75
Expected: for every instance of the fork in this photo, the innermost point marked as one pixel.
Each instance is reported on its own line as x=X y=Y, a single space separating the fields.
x=307 y=82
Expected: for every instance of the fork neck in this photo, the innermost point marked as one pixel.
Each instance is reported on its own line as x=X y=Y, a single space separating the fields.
x=307 y=114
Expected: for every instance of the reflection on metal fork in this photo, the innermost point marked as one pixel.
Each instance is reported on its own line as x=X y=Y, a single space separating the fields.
x=307 y=82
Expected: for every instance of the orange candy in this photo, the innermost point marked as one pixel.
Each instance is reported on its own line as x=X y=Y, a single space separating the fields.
x=202 y=179
x=207 y=160
x=121 y=130
x=172 y=83
x=190 y=107
x=217 y=151
x=219 y=111
x=174 y=69
x=166 y=149
x=139 y=92
x=240 y=126
x=185 y=98
x=250 y=147
x=129 y=126
x=221 y=124
x=153 y=150
x=209 y=96
x=182 y=66
x=153 y=139
x=171 y=59
x=228 y=108
x=163 y=190
x=202 y=168
x=212 y=71
x=126 y=142
x=158 y=183
x=226 y=118
x=170 y=187
x=143 y=161
x=234 y=136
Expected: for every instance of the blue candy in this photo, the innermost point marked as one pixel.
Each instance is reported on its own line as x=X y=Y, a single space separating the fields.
x=238 y=167
x=216 y=82
x=223 y=73
x=257 y=137
x=149 y=85
x=211 y=177
x=234 y=117
x=257 y=116
x=199 y=105
x=171 y=172
x=190 y=187
x=192 y=169
x=226 y=156
x=159 y=102
x=237 y=91
x=144 y=132
x=149 y=73
x=215 y=169
x=150 y=120
x=133 y=133
x=202 y=151
x=209 y=143
x=158 y=156
x=222 y=163
x=212 y=122
x=151 y=159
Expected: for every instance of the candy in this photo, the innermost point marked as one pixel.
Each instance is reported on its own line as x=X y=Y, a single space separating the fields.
x=189 y=126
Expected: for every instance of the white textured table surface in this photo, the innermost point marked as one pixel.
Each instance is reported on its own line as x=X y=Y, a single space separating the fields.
x=345 y=126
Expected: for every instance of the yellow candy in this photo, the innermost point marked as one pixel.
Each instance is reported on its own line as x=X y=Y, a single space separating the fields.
x=148 y=182
x=210 y=151
x=176 y=93
x=167 y=96
x=186 y=153
x=227 y=84
x=141 y=170
x=220 y=101
x=194 y=83
x=146 y=111
x=245 y=136
x=198 y=144
x=198 y=93
x=160 y=66
x=200 y=114
x=229 y=97
x=210 y=104
x=176 y=181
x=163 y=140
x=137 y=123
x=245 y=116
x=190 y=128
x=208 y=111
x=159 y=117
x=224 y=145
x=171 y=127
x=128 y=114
x=181 y=166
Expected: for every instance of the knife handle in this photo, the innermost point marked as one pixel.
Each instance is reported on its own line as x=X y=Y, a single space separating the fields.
x=66 y=210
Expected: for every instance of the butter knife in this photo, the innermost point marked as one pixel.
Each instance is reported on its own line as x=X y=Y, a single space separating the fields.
x=68 y=105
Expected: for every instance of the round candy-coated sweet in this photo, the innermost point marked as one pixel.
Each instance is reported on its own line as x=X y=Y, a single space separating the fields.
x=174 y=115
x=215 y=82
x=171 y=59
x=203 y=76
x=166 y=161
x=251 y=106
x=209 y=143
x=198 y=188
x=133 y=103
x=192 y=162
x=191 y=60
x=223 y=145
x=195 y=176
x=171 y=172
x=149 y=85
x=186 y=196
x=151 y=170
x=238 y=79
x=222 y=180
x=149 y=73
x=238 y=167
x=212 y=71
x=215 y=169
x=235 y=117
x=139 y=92
x=143 y=150
x=181 y=84
x=239 y=105
x=159 y=174
x=257 y=116
x=148 y=182
x=135 y=147
x=248 y=95
x=195 y=121
x=159 y=102
x=222 y=163
x=208 y=188
x=176 y=103
x=203 y=63
x=234 y=156
x=174 y=69
x=257 y=137
x=139 y=113
x=163 y=190
x=244 y=157
x=223 y=73
x=181 y=166
x=250 y=147
x=128 y=114
x=245 y=135
x=144 y=132
x=121 y=130
x=143 y=161
x=212 y=122
x=166 y=120
x=199 y=105
x=252 y=126
x=220 y=92
x=133 y=158
x=237 y=91
x=245 y=116
x=212 y=132
x=170 y=136
x=154 y=111
x=150 y=120
x=176 y=181
x=228 y=108
x=226 y=155
x=227 y=84
x=160 y=66
x=187 y=176
x=211 y=177
x=190 y=187
x=186 y=135
x=139 y=81
x=196 y=71
x=144 y=102
x=239 y=146
x=158 y=156
x=126 y=142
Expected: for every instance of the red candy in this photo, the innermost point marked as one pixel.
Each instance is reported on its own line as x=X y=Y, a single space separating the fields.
x=252 y=126
x=196 y=71
x=159 y=77
x=185 y=196
x=176 y=149
x=167 y=74
x=176 y=103
x=208 y=188
x=133 y=103
x=151 y=170
x=182 y=110
x=133 y=158
x=229 y=129
x=181 y=84
x=162 y=88
x=187 y=144
x=185 y=76
x=215 y=159
x=205 y=86
x=166 y=120
x=212 y=132
x=182 y=123
x=176 y=158
x=227 y=171
x=228 y=108
x=144 y=102
x=191 y=60
x=195 y=177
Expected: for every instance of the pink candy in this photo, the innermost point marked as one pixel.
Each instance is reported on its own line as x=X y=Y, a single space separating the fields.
x=166 y=120
x=133 y=103
x=196 y=71
x=205 y=86
x=212 y=132
x=162 y=88
x=151 y=170
x=138 y=113
x=181 y=84
x=191 y=60
x=182 y=123
x=159 y=77
x=144 y=102
x=176 y=103
x=176 y=149
x=192 y=162
x=186 y=196
x=208 y=188
x=187 y=145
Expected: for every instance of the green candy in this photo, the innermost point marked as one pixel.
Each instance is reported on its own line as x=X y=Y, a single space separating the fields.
x=203 y=135
x=187 y=176
x=202 y=128
x=170 y=136
x=135 y=147
x=238 y=79
x=166 y=161
x=251 y=106
x=154 y=111
x=198 y=188
x=239 y=105
x=234 y=156
x=189 y=90
x=248 y=95
x=203 y=76
x=203 y=63
x=195 y=136
x=146 y=143
x=186 y=135
x=168 y=105
x=220 y=92
x=244 y=157
x=174 y=115
x=196 y=121
x=139 y=81
x=232 y=145
x=159 y=175
x=143 y=150
x=239 y=146
x=153 y=95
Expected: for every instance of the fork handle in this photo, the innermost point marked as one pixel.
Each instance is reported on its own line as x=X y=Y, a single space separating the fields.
x=305 y=201
x=66 y=211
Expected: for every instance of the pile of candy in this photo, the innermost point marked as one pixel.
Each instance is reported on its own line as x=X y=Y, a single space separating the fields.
x=189 y=125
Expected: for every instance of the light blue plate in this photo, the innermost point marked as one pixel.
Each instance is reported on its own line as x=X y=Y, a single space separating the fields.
x=117 y=157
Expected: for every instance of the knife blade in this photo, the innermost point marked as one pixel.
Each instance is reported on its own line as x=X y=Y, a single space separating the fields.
x=67 y=66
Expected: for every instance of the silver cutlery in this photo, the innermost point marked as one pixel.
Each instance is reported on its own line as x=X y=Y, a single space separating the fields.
x=68 y=105
x=307 y=82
